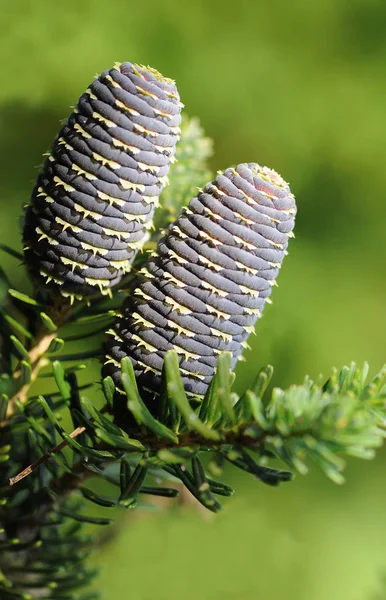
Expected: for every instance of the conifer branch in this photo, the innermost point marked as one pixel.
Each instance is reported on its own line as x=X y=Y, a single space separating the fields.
x=169 y=400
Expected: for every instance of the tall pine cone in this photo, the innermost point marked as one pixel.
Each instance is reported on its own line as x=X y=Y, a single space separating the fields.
x=204 y=288
x=95 y=195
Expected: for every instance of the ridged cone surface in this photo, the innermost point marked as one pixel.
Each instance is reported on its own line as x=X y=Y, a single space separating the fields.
x=96 y=193
x=205 y=287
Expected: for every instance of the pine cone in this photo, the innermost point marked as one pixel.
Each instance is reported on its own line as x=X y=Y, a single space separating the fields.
x=95 y=195
x=204 y=289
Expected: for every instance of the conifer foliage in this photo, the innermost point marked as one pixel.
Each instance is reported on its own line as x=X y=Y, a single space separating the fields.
x=167 y=314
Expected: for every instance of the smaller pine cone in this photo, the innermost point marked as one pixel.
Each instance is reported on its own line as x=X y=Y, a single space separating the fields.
x=204 y=288
x=95 y=195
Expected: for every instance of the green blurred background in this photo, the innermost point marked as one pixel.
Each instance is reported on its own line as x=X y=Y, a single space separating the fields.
x=299 y=86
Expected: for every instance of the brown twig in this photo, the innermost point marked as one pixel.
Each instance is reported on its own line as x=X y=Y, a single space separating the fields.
x=42 y=341
x=37 y=361
x=186 y=439
x=43 y=459
x=35 y=465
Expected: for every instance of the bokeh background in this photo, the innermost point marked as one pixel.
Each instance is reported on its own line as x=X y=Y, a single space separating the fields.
x=299 y=86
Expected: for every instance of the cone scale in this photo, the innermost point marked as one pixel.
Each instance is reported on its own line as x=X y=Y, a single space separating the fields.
x=96 y=193
x=206 y=285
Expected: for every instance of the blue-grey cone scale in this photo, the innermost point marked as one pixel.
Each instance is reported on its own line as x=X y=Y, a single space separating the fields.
x=95 y=195
x=206 y=285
